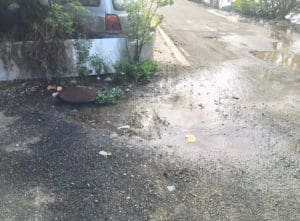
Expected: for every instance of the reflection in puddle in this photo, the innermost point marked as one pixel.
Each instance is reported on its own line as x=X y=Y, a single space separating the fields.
x=284 y=57
x=286 y=51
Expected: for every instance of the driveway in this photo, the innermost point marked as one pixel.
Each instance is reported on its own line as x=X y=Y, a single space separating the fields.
x=216 y=140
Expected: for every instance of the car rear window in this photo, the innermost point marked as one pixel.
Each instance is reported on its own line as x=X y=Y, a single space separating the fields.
x=119 y=5
x=90 y=3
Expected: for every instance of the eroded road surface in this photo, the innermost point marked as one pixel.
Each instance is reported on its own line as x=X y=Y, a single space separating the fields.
x=239 y=98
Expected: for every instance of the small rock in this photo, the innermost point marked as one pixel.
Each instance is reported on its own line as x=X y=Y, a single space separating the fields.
x=114 y=135
x=98 y=78
x=59 y=88
x=124 y=127
x=201 y=106
x=171 y=188
x=104 y=153
x=55 y=94
x=236 y=98
x=108 y=79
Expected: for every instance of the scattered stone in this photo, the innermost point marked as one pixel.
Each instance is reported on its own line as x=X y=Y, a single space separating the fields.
x=104 y=153
x=201 y=106
x=59 y=88
x=55 y=94
x=113 y=135
x=124 y=127
x=171 y=188
x=108 y=79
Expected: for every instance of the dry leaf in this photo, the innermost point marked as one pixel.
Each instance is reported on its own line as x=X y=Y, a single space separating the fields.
x=190 y=138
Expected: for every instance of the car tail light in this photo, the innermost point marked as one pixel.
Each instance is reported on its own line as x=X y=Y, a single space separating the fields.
x=112 y=23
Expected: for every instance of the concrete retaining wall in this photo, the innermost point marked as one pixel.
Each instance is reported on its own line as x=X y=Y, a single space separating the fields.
x=17 y=63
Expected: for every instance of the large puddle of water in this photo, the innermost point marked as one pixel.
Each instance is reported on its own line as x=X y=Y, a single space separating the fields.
x=286 y=49
x=285 y=58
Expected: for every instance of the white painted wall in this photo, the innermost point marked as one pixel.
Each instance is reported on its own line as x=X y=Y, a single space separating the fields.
x=14 y=62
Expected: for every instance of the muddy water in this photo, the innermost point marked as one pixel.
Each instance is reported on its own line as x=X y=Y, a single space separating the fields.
x=286 y=48
x=237 y=108
x=283 y=57
x=230 y=108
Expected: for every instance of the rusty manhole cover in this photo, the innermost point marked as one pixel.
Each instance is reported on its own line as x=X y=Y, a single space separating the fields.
x=78 y=95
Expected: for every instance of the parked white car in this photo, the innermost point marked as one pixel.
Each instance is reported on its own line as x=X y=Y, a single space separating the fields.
x=104 y=18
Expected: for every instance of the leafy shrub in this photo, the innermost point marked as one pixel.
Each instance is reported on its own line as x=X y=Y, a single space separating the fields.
x=86 y=63
x=269 y=9
x=277 y=8
x=42 y=25
x=143 y=19
x=97 y=64
x=108 y=97
x=246 y=7
x=138 y=71
x=84 y=71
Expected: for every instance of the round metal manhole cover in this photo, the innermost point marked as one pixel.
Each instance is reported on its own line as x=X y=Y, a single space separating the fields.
x=78 y=95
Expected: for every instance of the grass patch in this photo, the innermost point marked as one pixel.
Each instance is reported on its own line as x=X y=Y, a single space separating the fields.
x=108 y=96
x=140 y=72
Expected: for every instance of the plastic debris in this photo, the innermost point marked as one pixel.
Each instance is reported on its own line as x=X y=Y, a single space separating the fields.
x=190 y=138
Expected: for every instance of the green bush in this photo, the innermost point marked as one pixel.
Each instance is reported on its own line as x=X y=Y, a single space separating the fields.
x=143 y=20
x=138 y=71
x=42 y=25
x=97 y=63
x=108 y=96
x=246 y=7
x=269 y=9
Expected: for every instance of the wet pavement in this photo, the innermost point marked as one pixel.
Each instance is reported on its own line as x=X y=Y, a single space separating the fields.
x=243 y=111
